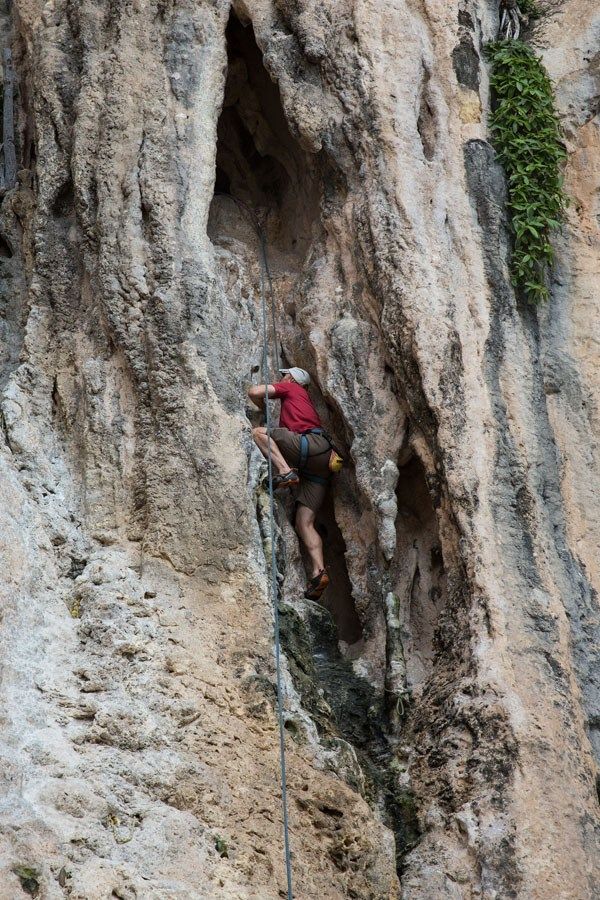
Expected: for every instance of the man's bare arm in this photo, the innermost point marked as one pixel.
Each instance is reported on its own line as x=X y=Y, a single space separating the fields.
x=256 y=393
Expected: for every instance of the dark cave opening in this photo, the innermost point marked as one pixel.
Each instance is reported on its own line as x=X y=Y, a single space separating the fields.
x=262 y=166
x=259 y=163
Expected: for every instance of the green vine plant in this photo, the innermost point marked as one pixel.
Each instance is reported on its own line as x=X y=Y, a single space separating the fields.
x=527 y=136
x=530 y=8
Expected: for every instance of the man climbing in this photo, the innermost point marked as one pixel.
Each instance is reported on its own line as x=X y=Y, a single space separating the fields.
x=299 y=441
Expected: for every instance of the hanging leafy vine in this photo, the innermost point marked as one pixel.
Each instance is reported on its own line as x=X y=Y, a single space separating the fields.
x=527 y=137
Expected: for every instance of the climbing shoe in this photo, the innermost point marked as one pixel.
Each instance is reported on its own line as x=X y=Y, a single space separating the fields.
x=317 y=585
x=289 y=480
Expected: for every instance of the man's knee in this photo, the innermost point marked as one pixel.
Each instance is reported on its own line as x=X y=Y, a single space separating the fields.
x=259 y=432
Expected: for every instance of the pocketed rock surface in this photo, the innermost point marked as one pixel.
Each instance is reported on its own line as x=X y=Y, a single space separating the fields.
x=451 y=749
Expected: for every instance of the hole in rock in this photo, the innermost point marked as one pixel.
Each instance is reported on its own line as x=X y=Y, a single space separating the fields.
x=292 y=728
x=64 y=202
x=76 y=568
x=426 y=123
x=259 y=163
x=5 y=248
x=420 y=575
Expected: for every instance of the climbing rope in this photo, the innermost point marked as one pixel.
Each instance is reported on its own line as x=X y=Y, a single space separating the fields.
x=265 y=269
x=286 y=836
x=265 y=276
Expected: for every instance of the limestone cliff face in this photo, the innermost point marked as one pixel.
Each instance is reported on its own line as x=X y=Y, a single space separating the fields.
x=448 y=745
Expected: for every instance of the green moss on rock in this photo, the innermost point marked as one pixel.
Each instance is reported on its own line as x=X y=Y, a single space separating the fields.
x=29 y=878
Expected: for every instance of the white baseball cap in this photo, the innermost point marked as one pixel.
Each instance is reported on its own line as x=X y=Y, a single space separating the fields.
x=300 y=376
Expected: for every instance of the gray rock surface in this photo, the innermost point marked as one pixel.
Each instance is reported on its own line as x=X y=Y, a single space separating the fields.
x=451 y=749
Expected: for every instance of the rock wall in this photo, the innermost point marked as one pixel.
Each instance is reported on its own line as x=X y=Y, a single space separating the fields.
x=444 y=747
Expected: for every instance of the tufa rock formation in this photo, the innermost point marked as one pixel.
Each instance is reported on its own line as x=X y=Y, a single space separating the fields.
x=443 y=706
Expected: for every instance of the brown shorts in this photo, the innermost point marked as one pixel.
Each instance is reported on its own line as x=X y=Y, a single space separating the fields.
x=309 y=493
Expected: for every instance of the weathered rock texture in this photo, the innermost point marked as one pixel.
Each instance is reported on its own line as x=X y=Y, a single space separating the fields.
x=450 y=751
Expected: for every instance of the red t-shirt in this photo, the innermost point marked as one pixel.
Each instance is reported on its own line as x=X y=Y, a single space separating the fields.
x=297 y=411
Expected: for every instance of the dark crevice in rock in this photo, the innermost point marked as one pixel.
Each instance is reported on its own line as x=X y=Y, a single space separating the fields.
x=64 y=202
x=76 y=567
x=5 y=248
x=12 y=212
x=337 y=599
x=466 y=19
x=5 y=431
x=12 y=312
x=418 y=571
x=259 y=163
x=426 y=123
x=56 y=401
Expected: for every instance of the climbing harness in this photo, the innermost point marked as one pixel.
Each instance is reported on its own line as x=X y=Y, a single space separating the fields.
x=304 y=454
x=336 y=461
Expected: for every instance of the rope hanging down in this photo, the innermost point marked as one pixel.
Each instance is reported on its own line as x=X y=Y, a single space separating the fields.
x=265 y=271
x=286 y=836
x=265 y=274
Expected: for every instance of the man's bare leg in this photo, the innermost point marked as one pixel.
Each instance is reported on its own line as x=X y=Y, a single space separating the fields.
x=261 y=439
x=305 y=526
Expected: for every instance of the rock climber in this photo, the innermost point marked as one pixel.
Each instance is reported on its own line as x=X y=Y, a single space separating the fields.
x=300 y=453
